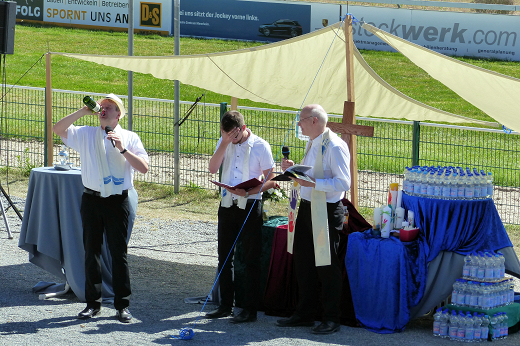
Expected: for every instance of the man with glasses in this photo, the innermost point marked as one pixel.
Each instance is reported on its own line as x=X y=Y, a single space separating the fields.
x=316 y=238
x=243 y=156
x=109 y=156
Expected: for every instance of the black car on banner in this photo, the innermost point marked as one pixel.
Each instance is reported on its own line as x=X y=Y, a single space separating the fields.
x=281 y=27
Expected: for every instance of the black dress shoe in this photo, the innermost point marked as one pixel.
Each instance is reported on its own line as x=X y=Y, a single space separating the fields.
x=124 y=315
x=89 y=312
x=326 y=327
x=244 y=316
x=295 y=321
x=221 y=311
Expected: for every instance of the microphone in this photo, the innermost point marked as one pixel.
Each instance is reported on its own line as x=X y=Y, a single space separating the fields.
x=107 y=130
x=286 y=152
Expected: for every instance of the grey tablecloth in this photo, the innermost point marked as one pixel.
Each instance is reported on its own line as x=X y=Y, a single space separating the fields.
x=51 y=228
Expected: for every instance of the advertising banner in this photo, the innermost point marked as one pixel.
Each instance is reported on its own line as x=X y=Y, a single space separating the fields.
x=450 y=33
x=29 y=10
x=98 y=14
x=245 y=20
x=323 y=15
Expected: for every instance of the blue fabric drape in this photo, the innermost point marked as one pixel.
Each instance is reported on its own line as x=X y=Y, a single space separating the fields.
x=388 y=277
x=459 y=226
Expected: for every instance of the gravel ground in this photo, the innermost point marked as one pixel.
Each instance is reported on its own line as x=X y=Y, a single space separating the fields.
x=169 y=261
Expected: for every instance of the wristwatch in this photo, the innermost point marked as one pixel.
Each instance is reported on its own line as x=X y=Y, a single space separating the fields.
x=247 y=194
x=124 y=151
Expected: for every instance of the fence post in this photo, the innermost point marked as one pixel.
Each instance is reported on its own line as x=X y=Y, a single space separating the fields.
x=223 y=110
x=48 y=140
x=415 y=143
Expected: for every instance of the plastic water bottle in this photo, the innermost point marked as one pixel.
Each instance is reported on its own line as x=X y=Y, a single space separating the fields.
x=489 y=274
x=454 y=187
x=489 y=185
x=468 y=288
x=474 y=293
x=501 y=263
x=474 y=265
x=506 y=328
x=481 y=269
x=431 y=184
x=417 y=183
x=461 y=331
x=488 y=297
x=461 y=185
x=406 y=179
x=466 y=269
x=455 y=292
x=477 y=327
x=505 y=293
x=469 y=188
x=483 y=184
x=443 y=327
x=424 y=183
x=481 y=297
x=64 y=155
x=496 y=267
x=470 y=330
x=446 y=185
x=511 y=291
x=454 y=325
x=485 y=327
x=476 y=185
x=495 y=327
x=461 y=294
x=437 y=185
x=437 y=322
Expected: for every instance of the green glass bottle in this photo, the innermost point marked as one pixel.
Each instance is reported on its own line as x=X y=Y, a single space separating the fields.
x=91 y=104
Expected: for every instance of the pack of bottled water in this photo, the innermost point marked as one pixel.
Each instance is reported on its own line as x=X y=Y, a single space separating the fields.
x=484 y=266
x=448 y=182
x=468 y=327
x=483 y=295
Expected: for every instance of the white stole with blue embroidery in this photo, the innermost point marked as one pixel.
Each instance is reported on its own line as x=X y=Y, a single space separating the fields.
x=111 y=165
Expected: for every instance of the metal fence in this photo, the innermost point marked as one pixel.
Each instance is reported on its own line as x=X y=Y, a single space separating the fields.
x=381 y=159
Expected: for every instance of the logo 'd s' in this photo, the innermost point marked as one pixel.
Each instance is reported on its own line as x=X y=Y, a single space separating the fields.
x=150 y=14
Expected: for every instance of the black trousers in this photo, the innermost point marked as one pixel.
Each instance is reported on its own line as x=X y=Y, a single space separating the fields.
x=230 y=221
x=308 y=275
x=110 y=216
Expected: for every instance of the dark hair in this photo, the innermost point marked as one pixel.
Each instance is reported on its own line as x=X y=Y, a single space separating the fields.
x=231 y=120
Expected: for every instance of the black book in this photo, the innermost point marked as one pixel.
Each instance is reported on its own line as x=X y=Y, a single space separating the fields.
x=295 y=171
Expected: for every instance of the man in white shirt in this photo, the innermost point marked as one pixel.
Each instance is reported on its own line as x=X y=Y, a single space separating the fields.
x=108 y=162
x=331 y=181
x=243 y=156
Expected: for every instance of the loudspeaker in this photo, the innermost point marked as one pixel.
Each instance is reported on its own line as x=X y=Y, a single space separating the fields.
x=7 y=24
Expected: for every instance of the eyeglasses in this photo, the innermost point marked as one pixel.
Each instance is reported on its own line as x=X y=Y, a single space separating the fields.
x=309 y=117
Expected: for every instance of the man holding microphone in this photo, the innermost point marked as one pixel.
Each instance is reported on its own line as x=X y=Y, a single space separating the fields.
x=319 y=221
x=109 y=155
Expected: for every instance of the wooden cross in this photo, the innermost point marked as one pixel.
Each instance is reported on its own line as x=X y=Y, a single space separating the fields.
x=348 y=128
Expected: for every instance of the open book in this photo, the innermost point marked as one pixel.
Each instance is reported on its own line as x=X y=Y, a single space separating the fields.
x=246 y=185
x=296 y=171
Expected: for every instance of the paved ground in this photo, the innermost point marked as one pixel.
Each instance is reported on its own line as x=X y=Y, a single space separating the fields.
x=169 y=261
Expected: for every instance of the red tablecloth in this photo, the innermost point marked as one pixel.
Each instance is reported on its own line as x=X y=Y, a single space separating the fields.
x=281 y=292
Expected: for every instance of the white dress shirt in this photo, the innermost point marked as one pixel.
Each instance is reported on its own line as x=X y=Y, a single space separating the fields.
x=82 y=139
x=260 y=159
x=336 y=168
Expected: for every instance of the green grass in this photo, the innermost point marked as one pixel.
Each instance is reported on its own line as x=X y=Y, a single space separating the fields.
x=390 y=152
x=31 y=42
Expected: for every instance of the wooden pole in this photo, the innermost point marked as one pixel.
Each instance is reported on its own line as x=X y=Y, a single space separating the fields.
x=48 y=111
x=349 y=114
x=234 y=103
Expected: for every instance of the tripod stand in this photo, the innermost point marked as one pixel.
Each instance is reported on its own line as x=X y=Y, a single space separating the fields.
x=11 y=204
